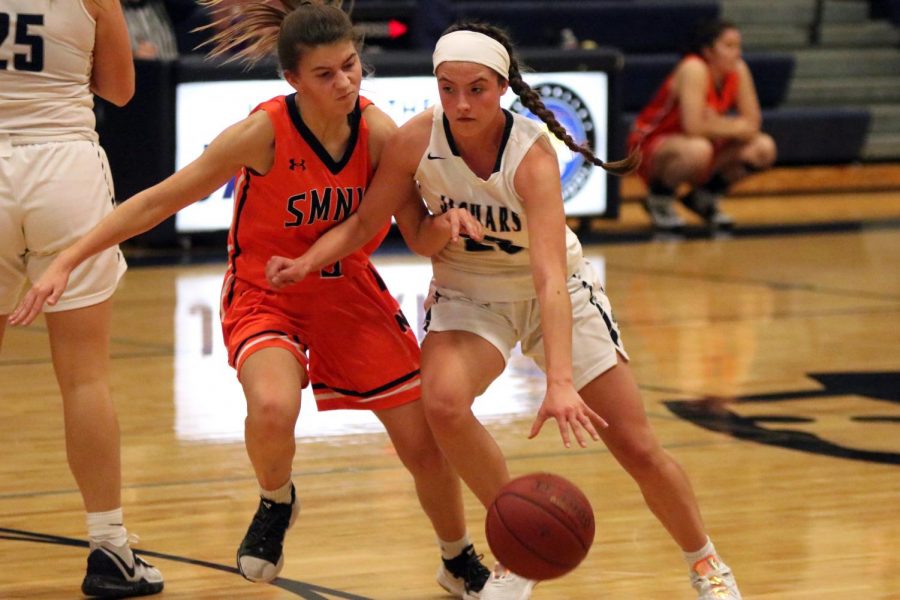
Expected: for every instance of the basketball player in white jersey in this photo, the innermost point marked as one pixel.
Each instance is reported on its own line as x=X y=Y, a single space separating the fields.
x=55 y=185
x=526 y=282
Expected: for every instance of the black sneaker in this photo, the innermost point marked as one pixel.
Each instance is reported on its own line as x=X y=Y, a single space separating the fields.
x=705 y=204
x=260 y=556
x=463 y=576
x=117 y=572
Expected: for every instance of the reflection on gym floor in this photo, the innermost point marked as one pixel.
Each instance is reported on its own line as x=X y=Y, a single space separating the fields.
x=209 y=403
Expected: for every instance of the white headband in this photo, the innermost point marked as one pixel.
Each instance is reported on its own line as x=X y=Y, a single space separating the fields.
x=471 y=46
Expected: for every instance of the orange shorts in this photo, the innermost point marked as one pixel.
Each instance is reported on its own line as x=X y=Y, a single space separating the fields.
x=650 y=145
x=348 y=333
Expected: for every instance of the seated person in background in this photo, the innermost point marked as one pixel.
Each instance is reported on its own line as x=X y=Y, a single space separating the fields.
x=702 y=128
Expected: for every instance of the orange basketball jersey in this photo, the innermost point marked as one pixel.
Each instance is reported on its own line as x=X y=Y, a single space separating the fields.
x=304 y=194
x=663 y=114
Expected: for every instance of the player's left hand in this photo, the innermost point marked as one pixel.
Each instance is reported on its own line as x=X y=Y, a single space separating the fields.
x=574 y=417
x=461 y=221
x=282 y=272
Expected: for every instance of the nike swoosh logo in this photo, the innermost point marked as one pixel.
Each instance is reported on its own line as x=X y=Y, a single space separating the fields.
x=431 y=157
x=129 y=571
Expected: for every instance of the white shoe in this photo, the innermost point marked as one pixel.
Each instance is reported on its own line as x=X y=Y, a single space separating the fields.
x=506 y=585
x=713 y=580
x=662 y=212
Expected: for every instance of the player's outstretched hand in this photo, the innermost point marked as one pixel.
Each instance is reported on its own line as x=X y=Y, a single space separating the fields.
x=47 y=289
x=282 y=272
x=461 y=221
x=574 y=417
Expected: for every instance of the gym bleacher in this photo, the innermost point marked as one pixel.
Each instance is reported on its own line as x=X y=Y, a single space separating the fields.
x=650 y=33
x=827 y=71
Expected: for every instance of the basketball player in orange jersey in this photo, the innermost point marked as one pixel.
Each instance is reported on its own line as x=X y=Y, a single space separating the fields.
x=525 y=282
x=305 y=161
x=54 y=56
x=702 y=128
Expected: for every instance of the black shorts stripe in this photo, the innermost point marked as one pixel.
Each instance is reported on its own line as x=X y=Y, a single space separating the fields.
x=372 y=392
x=613 y=334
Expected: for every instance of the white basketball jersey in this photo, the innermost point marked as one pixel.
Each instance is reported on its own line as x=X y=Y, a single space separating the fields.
x=499 y=268
x=46 y=54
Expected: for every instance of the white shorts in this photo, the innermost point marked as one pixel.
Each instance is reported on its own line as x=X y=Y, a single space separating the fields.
x=595 y=334
x=50 y=195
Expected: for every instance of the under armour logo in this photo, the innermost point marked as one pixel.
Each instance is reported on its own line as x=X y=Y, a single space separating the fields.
x=294 y=164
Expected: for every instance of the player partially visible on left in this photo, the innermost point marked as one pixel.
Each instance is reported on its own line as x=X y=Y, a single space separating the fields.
x=54 y=186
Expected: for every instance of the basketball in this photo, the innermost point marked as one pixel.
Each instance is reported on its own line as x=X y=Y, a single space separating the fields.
x=540 y=526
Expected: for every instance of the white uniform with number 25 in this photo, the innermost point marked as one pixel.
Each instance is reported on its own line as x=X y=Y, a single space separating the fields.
x=55 y=182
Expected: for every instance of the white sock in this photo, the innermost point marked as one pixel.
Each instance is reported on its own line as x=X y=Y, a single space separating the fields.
x=281 y=495
x=453 y=549
x=107 y=527
x=693 y=557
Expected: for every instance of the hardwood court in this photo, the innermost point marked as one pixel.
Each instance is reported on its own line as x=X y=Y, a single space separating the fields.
x=769 y=367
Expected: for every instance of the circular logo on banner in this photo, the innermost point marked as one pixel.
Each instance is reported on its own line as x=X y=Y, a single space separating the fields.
x=574 y=116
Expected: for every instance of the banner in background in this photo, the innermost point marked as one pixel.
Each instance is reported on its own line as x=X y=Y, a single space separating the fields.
x=578 y=99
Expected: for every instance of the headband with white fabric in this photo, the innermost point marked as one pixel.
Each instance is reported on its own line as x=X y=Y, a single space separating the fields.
x=471 y=46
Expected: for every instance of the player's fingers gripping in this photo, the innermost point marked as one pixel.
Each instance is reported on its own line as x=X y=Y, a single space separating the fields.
x=472 y=226
x=276 y=271
x=454 y=217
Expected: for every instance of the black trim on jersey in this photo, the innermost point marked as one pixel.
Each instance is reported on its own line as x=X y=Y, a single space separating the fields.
x=353 y=119
x=236 y=251
x=378 y=280
x=237 y=351
x=507 y=130
x=613 y=334
x=372 y=392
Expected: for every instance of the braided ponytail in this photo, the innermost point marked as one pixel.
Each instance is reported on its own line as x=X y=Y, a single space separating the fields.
x=532 y=101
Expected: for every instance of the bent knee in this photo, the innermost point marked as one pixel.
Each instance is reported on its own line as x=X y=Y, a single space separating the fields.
x=640 y=454
x=446 y=412
x=762 y=152
x=271 y=416
x=425 y=459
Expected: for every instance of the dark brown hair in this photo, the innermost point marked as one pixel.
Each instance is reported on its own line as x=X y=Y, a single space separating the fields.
x=251 y=30
x=532 y=101
x=706 y=33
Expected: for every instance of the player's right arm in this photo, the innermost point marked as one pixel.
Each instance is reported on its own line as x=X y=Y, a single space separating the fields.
x=388 y=188
x=697 y=117
x=112 y=74
x=247 y=143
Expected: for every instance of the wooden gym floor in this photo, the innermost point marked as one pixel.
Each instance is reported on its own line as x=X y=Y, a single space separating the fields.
x=769 y=363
